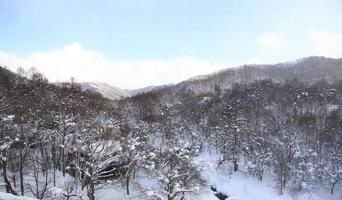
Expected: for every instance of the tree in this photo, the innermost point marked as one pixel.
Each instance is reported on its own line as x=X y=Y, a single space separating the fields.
x=21 y=71
x=134 y=152
x=176 y=175
x=5 y=145
x=98 y=161
x=334 y=179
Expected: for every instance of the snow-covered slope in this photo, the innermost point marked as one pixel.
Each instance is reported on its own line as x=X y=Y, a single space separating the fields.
x=309 y=70
x=148 y=89
x=105 y=90
x=115 y=93
x=239 y=186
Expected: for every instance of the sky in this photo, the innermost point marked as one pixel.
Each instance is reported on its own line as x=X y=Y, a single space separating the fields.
x=138 y=43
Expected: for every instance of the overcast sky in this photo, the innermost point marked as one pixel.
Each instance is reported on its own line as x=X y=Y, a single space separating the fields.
x=137 y=43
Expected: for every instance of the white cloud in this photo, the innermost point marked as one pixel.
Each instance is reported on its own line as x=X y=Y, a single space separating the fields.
x=326 y=44
x=271 y=40
x=87 y=65
x=253 y=60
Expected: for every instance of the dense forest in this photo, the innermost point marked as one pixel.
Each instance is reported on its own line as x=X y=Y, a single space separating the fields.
x=290 y=129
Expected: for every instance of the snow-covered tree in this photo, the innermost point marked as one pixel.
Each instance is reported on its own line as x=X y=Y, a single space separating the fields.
x=176 y=175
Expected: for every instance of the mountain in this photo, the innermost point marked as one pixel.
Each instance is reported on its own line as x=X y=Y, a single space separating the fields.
x=307 y=70
x=147 y=89
x=115 y=93
x=20 y=95
x=106 y=90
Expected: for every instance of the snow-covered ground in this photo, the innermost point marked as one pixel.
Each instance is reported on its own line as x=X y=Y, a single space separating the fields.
x=6 y=196
x=239 y=186
x=236 y=186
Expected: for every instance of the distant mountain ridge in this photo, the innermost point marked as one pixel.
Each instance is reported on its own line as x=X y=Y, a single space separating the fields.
x=309 y=70
x=106 y=90
x=115 y=93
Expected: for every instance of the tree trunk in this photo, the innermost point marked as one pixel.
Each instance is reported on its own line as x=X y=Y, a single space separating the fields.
x=9 y=188
x=91 y=191
x=236 y=166
x=14 y=180
x=281 y=179
x=63 y=151
x=54 y=175
x=21 y=174
x=21 y=167
x=261 y=174
x=53 y=157
x=127 y=183
x=332 y=187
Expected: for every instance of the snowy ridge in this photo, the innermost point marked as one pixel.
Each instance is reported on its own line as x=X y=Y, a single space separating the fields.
x=309 y=70
x=115 y=93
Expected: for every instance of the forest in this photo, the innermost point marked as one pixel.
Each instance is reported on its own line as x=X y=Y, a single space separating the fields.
x=59 y=142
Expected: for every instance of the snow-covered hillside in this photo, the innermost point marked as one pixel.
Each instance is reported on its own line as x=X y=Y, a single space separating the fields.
x=105 y=90
x=115 y=93
x=310 y=69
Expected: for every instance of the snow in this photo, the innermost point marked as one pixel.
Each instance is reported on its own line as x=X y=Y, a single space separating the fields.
x=9 y=118
x=332 y=107
x=6 y=196
x=239 y=186
x=106 y=90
